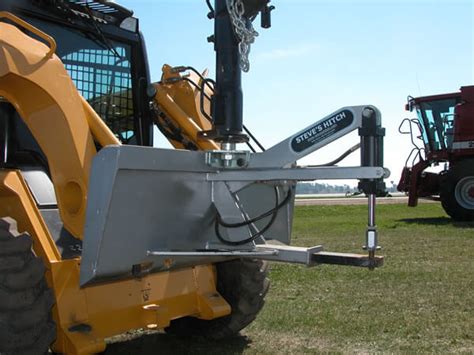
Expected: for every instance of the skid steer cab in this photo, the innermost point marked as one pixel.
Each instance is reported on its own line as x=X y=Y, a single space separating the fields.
x=100 y=233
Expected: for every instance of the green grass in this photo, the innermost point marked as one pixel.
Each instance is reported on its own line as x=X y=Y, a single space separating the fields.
x=420 y=301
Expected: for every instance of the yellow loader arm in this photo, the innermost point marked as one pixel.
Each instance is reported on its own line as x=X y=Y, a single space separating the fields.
x=177 y=109
x=36 y=83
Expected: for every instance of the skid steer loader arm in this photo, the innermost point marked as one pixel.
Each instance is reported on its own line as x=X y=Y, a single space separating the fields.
x=61 y=121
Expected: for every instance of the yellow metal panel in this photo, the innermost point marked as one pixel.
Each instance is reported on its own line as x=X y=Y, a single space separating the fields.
x=47 y=100
x=116 y=307
x=17 y=202
x=110 y=308
x=180 y=101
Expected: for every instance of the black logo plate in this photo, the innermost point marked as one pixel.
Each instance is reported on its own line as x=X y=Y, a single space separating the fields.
x=322 y=130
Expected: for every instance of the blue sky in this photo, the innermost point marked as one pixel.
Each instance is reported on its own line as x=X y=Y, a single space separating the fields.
x=322 y=55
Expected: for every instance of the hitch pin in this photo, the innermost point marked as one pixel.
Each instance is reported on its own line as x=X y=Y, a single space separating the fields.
x=371 y=237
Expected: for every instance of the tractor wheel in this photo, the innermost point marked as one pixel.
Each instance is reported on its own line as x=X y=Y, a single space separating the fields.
x=26 y=326
x=243 y=284
x=457 y=191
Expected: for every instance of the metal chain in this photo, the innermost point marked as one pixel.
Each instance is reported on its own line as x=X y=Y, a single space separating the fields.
x=243 y=29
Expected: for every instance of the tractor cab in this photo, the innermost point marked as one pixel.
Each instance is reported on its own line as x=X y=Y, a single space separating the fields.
x=445 y=124
x=436 y=120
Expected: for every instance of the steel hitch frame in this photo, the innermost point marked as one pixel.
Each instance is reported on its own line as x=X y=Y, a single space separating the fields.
x=192 y=207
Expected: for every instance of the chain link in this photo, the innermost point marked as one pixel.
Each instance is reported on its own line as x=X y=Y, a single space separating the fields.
x=243 y=29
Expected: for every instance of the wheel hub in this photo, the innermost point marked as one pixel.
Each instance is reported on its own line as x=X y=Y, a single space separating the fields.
x=464 y=192
x=471 y=192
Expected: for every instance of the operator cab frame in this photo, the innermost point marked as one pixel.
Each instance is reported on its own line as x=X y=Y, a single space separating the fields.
x=436 y=117
x=104 y=53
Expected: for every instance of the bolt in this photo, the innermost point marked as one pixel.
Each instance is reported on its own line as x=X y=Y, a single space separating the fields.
x=368 y=112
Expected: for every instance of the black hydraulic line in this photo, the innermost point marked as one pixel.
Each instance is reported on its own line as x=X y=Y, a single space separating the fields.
x=211 y=9
x=181 y=69
x=206 y=81
x=100 y=33
x=340 y=158
x=213 y=82
x=209 y=118
x=202 y=95
x=251 y=147
x=201 y=103
x=260 y=217
x=201 y=91
x=193 y=83
x=273 y=212
x=245 y=241
x=254 y=139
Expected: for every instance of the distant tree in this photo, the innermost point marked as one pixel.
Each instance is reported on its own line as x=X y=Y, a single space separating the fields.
x=307 y=188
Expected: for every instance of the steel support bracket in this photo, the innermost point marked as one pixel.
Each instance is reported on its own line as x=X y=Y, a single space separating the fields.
x=311 y=256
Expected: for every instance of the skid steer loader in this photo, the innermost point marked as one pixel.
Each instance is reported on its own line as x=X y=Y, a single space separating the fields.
x=101 y=233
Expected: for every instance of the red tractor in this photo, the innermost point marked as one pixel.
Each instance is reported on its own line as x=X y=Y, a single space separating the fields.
x=445 y=124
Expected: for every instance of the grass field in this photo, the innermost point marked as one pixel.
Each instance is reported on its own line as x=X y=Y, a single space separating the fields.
x=420 y=301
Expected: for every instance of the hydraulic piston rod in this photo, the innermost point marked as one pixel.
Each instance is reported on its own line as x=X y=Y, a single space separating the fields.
x=371 y=242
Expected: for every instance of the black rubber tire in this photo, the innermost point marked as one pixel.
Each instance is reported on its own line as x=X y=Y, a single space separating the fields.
x=460 y=174
x=243 y=284
x=26 y=325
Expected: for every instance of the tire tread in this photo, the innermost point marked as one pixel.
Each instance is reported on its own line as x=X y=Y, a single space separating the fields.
x=243 y=284
x=26 y=325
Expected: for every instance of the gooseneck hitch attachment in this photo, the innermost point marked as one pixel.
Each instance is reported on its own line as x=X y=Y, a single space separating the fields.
x=230 y=203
